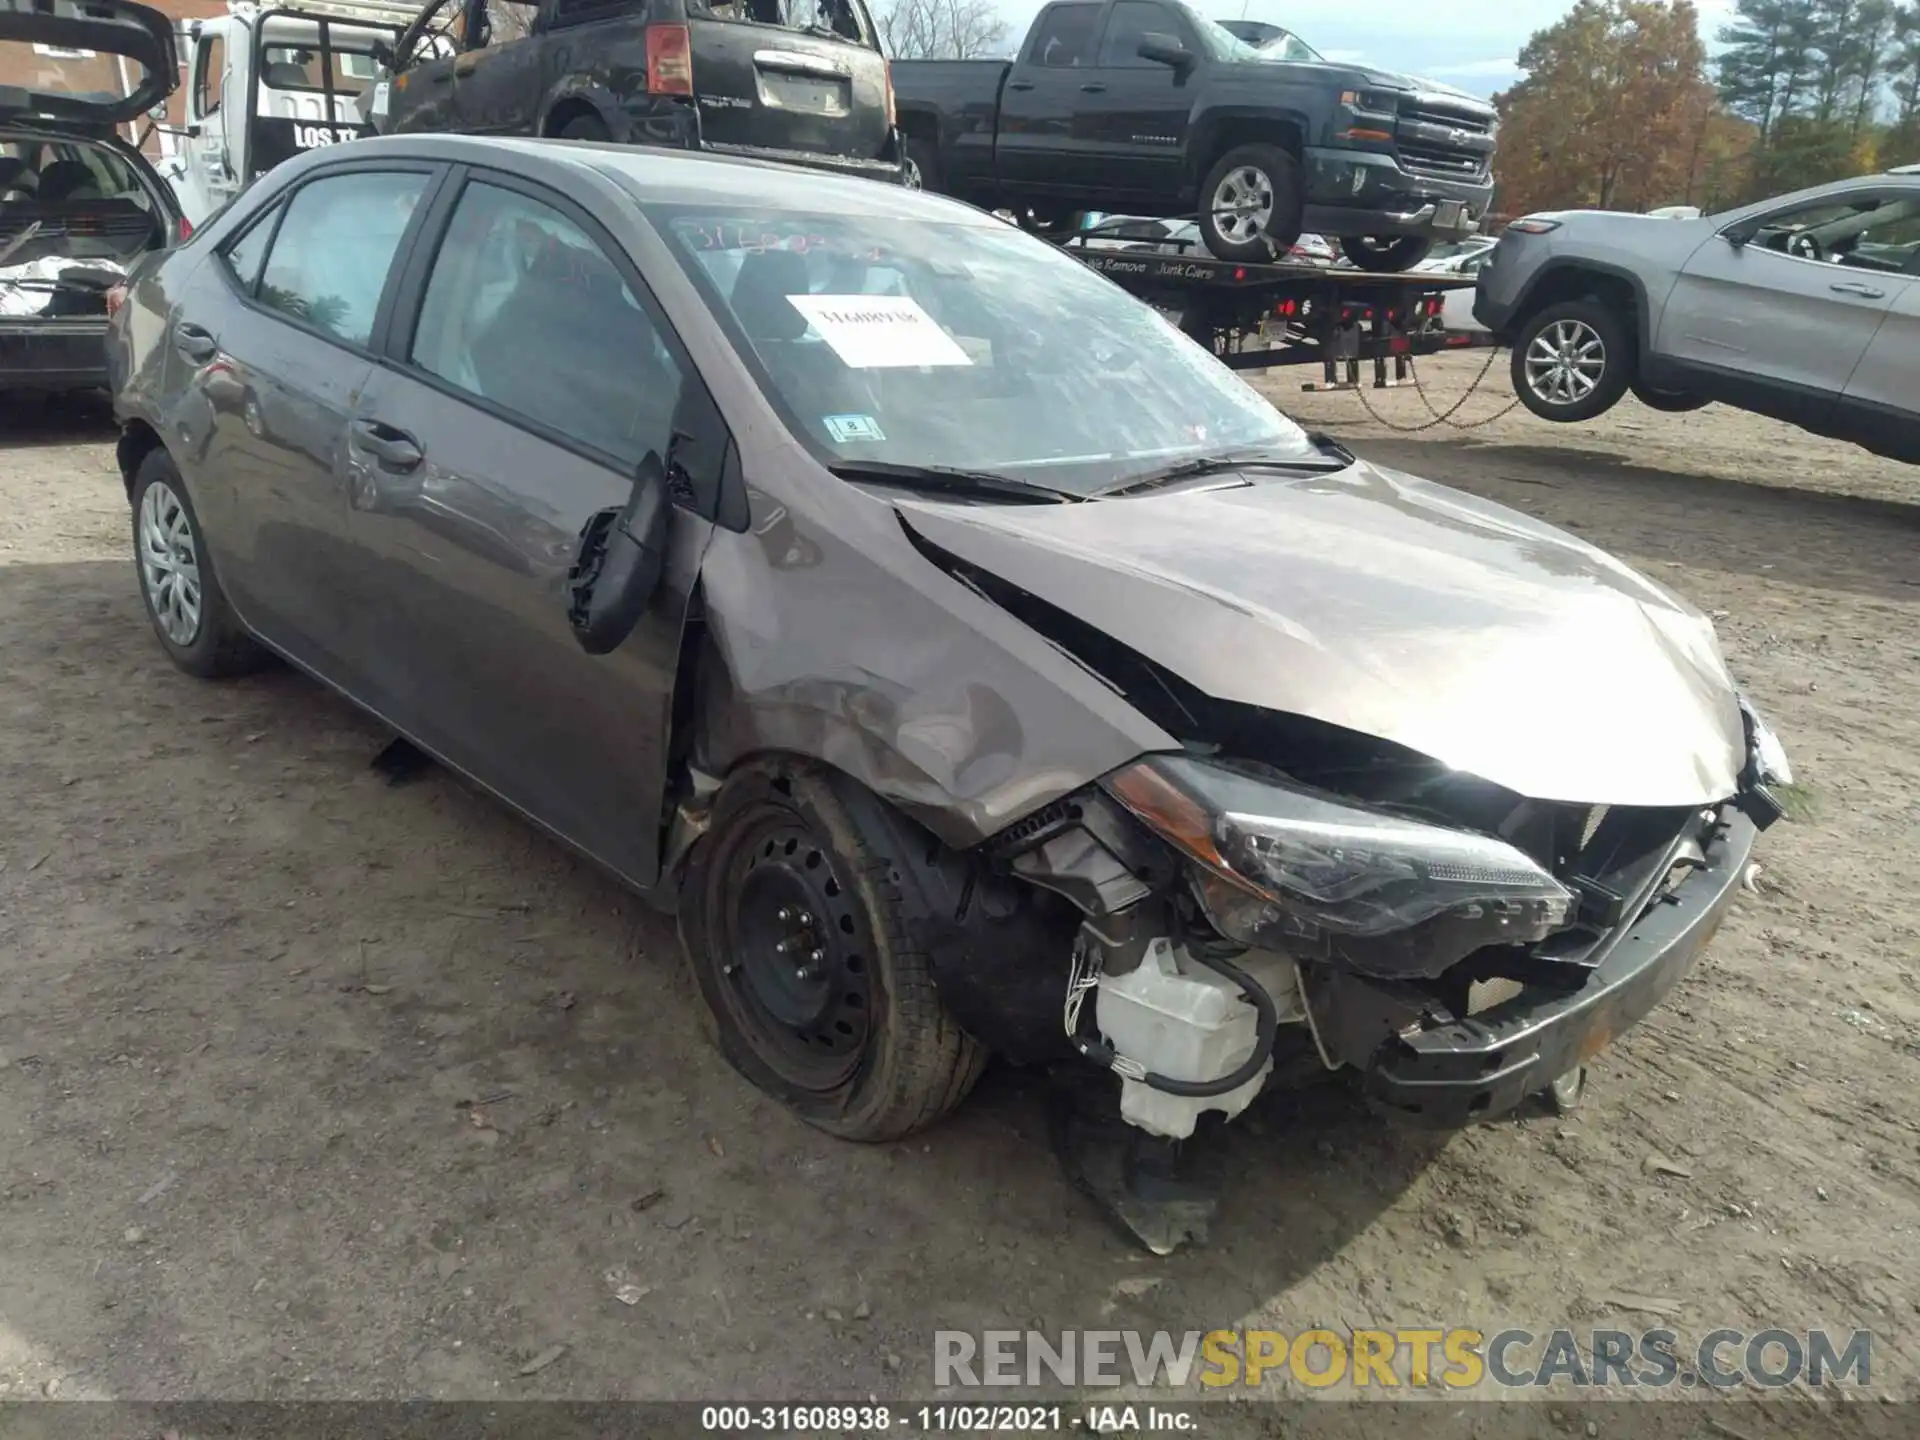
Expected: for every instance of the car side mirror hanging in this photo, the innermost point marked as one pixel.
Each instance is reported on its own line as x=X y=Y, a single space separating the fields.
x=620 y=560
x=1164 y=49
x=1737 y=235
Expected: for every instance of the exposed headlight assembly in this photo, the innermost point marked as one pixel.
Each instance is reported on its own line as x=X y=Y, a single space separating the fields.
x=1284 y=867
x=1766 y=756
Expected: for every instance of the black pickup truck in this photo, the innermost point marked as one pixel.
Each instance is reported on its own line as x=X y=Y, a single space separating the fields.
x=1146 y=107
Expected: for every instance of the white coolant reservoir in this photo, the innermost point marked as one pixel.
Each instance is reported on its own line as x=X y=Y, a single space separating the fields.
x=1174 y=1017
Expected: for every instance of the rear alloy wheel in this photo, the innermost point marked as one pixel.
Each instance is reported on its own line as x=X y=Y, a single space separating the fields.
x=1252 y=204
x=920 y=169
x=797 y=915
x=1572 y=361
x=190 y=614
x=1385 y=255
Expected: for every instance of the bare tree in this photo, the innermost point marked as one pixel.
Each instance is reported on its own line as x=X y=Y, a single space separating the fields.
x=939 y=29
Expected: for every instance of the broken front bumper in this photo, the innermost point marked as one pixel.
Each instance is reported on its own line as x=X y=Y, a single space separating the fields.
x=1458 y=1071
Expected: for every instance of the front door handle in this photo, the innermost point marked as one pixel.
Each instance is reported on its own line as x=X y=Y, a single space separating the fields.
x=1854 y=287
x=391 y=449
x=1019 y=84
x=1092 y=87
x=195 y=342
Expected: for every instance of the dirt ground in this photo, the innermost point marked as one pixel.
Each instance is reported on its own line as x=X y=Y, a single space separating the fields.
x=311 y=1086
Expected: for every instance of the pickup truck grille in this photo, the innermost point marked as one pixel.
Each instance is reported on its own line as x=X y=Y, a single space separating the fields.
x=1446 y=141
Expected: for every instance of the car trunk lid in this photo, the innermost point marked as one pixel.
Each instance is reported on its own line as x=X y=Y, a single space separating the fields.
x=91 y=62
x=769 y=87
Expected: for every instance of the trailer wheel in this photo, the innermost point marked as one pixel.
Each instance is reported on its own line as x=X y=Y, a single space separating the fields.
x=1385 y=255
x=1573 y=361
x=1251 y=204
x=922 y=168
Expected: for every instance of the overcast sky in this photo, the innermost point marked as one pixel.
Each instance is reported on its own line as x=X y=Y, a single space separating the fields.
x=1468 y=43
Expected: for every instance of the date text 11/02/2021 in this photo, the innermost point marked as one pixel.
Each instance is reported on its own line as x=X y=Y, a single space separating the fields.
x=879 y=1418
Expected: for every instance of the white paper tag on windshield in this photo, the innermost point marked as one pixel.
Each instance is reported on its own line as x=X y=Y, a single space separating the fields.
x=872 y=332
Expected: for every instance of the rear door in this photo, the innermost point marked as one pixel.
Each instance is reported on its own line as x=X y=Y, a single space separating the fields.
x=780 y=75
x=528 y=374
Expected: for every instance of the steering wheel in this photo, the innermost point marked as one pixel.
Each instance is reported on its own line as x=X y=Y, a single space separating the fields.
x=1806 y=247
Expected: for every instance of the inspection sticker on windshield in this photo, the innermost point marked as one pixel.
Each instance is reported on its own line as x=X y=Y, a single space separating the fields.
x=842 y=428
x=872 y=332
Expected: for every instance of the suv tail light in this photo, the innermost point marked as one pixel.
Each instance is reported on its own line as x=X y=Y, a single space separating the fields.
x=669 y=60
x=893 y=120
x=186 y=228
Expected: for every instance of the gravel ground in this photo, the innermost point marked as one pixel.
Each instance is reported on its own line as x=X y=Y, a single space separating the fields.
x=312 y=1086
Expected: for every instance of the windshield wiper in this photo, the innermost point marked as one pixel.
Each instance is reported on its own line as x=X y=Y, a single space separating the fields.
x=944 y=480
x=1226 y=463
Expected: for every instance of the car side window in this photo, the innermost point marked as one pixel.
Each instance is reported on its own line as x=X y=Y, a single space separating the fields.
x=329 y=261
x=525 y=311
x=1066 y=36
x=243 y=256
x=206 y=81
x=1873 y=232
x=1127 y=23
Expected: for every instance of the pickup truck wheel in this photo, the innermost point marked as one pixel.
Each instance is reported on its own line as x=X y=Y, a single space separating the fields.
x=1251 y=204
x=1671 y=402
x=1573 y=361
x=802 y=922
x=1385 y=256
x=922 y=168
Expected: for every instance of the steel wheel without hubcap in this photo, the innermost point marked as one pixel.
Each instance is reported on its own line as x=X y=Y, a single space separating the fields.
x=800 y=987
x=1242 y=204
x=910 y=174
x=1565 y=362
x=170 y=563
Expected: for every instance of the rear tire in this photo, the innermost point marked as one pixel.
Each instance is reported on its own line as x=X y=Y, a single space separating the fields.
x=1252 y=204
x=1573 y=361
x=585 y=127
x=801 y=918
x=1669 y=402
x=1386 y=256
x=189 y=611
x=922 y=168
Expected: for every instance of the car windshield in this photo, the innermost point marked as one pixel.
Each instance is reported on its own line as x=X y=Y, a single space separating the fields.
x=1288 y=46
x=963 y=346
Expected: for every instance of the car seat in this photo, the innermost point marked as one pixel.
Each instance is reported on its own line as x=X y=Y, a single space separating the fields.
x=68 y=180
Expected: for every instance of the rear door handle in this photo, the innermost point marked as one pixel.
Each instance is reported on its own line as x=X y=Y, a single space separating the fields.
x=1019 y=84
x=195 y=342
x=1092 y=87
x=391 y=449
x=1853 y=287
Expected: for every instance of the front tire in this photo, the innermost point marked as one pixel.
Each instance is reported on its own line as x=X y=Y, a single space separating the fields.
x=1573 y=361
x=1387 y=255
x=585 y=127
x=1252 y=204
x=800 y=917
x=189 y=611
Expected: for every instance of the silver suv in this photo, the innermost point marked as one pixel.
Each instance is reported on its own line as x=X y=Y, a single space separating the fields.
x=1805 y=308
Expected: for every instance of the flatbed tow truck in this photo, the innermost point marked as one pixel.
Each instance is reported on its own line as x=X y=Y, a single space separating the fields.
x=1255 y=316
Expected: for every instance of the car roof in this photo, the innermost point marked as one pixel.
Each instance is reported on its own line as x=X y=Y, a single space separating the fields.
x=654 y=175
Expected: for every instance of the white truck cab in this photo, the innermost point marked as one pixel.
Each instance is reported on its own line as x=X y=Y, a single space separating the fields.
x=265 y=82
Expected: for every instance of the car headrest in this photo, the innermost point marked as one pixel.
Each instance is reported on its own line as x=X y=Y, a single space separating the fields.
x=760 y=293
x=65 y=179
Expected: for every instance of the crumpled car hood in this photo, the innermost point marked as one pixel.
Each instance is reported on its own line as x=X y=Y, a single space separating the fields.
x=1399 y=608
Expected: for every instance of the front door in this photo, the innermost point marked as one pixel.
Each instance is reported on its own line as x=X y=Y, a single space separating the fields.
x=1043 y=141
x=278 y=350
x=1784 y=313
x=1136 y=119
x=211 y=172
x=522 y=391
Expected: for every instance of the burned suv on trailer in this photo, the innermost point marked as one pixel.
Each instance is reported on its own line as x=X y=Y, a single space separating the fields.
x=801 y=81
x=79 y=206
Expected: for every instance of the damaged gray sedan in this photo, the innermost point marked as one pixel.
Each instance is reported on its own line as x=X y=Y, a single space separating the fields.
x=973 y=663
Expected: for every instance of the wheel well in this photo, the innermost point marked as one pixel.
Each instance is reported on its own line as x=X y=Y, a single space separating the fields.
x=566 y=112
x=1284 y=133
x=1573 y=283
x=920 y=125
x=137 y=441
